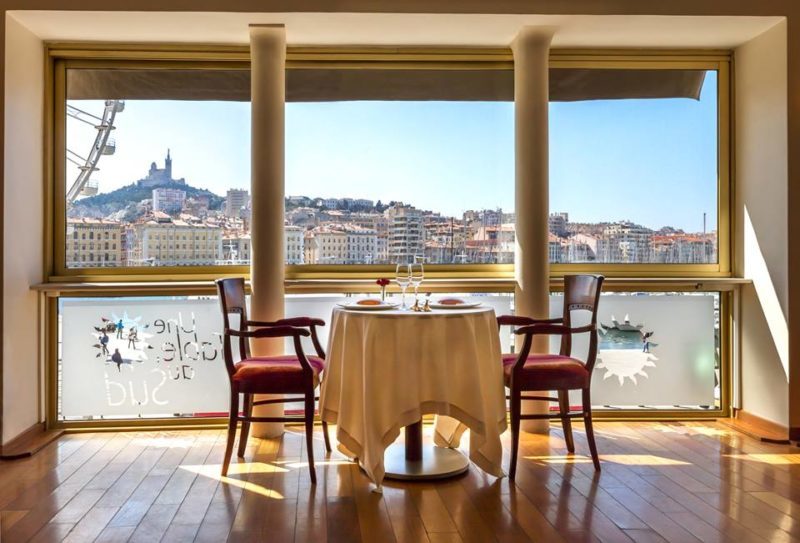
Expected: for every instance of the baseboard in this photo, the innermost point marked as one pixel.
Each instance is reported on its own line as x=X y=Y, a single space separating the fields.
x=758 y=428
x=29 y=442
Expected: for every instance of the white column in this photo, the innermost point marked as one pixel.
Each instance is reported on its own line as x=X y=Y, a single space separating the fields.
x=267 y=74
x=531 y=50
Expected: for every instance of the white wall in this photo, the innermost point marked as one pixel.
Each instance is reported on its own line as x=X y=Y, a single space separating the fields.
x=23 y=227
x=761 y=176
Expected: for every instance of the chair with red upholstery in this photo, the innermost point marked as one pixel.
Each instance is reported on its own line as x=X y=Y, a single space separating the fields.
x=526 y=372
x=292 y=374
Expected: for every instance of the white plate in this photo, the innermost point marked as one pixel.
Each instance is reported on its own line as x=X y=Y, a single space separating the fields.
x=466 y=305
x=385 y=306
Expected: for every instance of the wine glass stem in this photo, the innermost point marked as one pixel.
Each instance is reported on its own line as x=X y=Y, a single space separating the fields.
x=416 y=293
x=403 y=290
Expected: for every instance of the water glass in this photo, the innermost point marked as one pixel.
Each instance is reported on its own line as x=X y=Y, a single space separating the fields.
x=417 y=273
x=403 y=278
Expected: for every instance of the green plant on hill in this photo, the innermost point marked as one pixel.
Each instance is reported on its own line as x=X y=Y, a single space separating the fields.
x=125 y=198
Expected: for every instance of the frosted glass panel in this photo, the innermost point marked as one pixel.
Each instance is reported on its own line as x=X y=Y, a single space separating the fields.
x=656 y=349
x=162 y=356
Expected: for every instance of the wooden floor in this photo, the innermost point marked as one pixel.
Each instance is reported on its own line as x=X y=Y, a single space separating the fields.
x=673 y=482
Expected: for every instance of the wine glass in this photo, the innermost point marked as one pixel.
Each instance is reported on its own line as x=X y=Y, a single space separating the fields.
x=416 y=274
x=403 y=278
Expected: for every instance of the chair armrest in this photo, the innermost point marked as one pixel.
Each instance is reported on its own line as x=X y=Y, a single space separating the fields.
x=294 y=321
x=272 y=331
x=301 y=322
x=518 y=320
x=552 y=330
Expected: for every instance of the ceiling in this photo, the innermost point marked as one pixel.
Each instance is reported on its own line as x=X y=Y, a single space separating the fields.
x=315 y=29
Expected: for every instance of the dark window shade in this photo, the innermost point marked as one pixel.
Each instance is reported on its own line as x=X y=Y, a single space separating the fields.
x=331 y=85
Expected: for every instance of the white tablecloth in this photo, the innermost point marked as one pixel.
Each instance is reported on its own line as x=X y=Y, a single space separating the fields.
x=386 y=369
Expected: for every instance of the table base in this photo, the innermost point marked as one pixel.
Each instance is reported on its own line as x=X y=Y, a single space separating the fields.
x=436 y=463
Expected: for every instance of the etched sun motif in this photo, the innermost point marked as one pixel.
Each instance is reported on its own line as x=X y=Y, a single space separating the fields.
x=625 y=350
x=625 y=363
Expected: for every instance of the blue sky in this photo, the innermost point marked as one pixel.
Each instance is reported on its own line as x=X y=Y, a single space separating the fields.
x=650 y=161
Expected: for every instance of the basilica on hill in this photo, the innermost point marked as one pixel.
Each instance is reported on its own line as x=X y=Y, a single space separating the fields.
x=160 y=176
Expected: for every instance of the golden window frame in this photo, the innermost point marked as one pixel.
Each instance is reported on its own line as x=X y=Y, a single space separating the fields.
x=62 y=56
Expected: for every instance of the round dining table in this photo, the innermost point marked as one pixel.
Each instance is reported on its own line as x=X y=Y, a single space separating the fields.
x=385 y=369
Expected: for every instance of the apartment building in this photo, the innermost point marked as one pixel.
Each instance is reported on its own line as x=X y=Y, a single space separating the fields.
x=159 y=240
x=406 y=233
x=94 y=243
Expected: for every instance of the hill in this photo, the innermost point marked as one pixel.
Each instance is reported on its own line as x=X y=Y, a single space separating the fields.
x=122 y=202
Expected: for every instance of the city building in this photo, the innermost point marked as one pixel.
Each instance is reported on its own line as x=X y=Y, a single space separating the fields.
x=169 y=201
x=579 y=248
x=236 y=248
x=684 y=248
x=235 y=201
x=94 y=243
x=406 y=233
x=325 y=245
x=557 y=223
x=492 y=244
x=475 y=219
x=379 y=223
x=555 y=250
x=339 y=244
x=160 y=240
x=624 y=242
x=298 y=200
x=302 y=216
x=197 y=206
x=294 y=244
x=362 y=203
x=445 y=238
x=362 y=245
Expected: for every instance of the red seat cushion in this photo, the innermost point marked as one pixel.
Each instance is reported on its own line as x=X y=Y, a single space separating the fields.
x=275 y=374
x=547 y=372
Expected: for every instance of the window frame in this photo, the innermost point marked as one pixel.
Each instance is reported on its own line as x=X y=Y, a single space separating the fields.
x=61 y=57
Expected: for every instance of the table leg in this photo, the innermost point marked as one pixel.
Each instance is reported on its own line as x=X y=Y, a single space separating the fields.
x=415 y=461
x=414 y=442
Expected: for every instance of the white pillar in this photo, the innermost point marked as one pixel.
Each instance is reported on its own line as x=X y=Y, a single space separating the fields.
x=267 y=74
x=531 y=50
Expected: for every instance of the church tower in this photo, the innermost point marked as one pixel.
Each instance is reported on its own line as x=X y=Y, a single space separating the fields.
x=168 y=167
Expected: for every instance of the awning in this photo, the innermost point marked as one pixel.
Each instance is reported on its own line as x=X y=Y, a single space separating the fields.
x=333 y=84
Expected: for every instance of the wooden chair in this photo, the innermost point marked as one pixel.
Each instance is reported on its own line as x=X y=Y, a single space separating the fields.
x=285 y=374
x=526 y=372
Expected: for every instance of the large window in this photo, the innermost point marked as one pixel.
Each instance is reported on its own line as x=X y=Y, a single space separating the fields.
x=389 y=163
x=387 y=166
x=156 y=168
x=391 y=181
x=634 y=169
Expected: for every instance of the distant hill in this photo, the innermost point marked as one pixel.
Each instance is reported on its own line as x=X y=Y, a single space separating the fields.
x=122 y=202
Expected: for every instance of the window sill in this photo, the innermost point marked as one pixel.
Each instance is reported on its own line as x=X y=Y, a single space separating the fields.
x=311 y=286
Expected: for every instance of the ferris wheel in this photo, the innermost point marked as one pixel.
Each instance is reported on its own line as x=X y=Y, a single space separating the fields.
x=103 y=144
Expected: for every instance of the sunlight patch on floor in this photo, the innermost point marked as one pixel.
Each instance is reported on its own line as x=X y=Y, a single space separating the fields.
x=163 y=442
x=214 y=471
x=708 y=431
x=302 y=465
x=622 y=459
x=775 y=459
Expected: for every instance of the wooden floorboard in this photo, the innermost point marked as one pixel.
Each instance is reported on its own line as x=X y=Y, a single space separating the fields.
x=682 y=482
